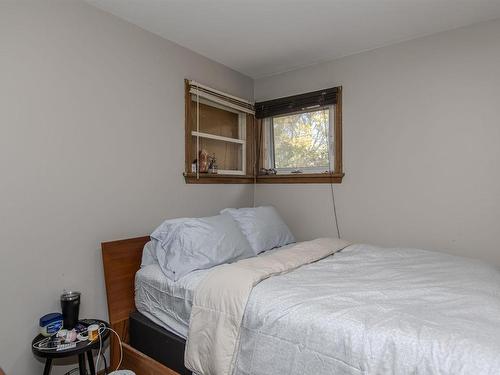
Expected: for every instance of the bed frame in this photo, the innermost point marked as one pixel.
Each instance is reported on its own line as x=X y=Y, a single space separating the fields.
x=121 y=260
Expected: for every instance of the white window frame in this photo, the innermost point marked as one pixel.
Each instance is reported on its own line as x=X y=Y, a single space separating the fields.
x=270 y=150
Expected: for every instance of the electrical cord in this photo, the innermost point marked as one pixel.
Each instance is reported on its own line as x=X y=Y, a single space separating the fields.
x=100 y=345
x=105 y=363
x=121 y=348
x=254 y=170
x=335 y=210
x=36 y=345
x=99 y=332
x=332 y=190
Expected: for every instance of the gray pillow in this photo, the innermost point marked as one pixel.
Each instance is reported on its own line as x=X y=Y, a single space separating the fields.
x=185 y=245
x=262 y=226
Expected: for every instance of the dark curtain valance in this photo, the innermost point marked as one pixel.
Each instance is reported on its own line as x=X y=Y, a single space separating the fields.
x=296 y=103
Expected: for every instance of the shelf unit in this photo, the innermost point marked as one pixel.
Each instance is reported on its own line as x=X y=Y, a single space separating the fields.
x=241 y=142
x=220 y=125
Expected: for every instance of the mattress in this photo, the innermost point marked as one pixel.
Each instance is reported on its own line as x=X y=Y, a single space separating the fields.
x=166 y=302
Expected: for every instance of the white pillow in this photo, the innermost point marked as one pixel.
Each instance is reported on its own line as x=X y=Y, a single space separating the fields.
x=262 y=226
x=185 y=245
x=149 y=253
x=149 y=249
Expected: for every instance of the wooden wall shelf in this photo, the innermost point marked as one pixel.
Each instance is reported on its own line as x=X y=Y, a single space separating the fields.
x=207 y=178
x=301 y=178
x=296 y=178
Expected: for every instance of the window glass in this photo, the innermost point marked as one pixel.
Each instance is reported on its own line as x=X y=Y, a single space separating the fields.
x=301 y=140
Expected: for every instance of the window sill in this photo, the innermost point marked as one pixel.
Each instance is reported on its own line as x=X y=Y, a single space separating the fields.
x=293 y=178
x=301 y=178
x=209 y=178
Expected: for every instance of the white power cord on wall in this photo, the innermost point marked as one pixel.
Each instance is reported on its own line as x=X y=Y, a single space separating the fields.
x=331 y=187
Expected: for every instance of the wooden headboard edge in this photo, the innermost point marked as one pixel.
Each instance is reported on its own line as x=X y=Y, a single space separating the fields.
x=125 y=241
x=121 y=260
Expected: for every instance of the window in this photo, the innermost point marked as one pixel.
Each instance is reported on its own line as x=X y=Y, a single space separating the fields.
x=296 y=139
x=300 y=138
x=302 y=142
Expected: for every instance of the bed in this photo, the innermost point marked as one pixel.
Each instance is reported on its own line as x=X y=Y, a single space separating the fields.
x=359 y=309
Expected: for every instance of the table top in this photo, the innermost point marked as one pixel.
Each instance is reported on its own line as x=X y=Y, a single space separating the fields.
x=81 y=346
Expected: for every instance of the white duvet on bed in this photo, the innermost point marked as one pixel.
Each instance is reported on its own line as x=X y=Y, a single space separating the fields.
x=370 y=310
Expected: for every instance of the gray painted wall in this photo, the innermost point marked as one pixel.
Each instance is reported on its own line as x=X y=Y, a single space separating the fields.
x=91 y=149
x=92 y=138
x=421 y=145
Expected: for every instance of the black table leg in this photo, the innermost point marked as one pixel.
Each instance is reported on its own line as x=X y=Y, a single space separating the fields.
x=91 y=362
x=48 y=365
x=81 y=364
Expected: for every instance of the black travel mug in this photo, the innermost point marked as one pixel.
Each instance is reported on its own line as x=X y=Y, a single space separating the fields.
x=70 y=306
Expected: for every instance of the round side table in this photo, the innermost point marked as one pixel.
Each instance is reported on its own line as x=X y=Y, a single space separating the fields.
x=81 y=349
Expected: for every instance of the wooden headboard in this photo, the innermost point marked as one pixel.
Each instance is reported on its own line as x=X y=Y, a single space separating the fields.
x=121 y=260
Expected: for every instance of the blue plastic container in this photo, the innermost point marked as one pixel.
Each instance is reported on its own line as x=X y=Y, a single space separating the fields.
x=51 y=324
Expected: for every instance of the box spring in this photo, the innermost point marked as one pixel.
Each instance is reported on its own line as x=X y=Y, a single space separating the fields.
x=158 y=343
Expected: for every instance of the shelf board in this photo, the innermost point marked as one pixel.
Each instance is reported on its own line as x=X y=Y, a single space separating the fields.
x=209 y=178
x=295 y=178
x=217 y=137
x=301 y=178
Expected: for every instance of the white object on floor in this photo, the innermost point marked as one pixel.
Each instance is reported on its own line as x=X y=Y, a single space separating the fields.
x=122 y=372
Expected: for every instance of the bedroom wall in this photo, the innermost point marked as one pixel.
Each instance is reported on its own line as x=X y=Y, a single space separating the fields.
x=421 y=145
x=91 y=149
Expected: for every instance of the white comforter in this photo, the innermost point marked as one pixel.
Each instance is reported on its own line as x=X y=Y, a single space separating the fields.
x=367 y=310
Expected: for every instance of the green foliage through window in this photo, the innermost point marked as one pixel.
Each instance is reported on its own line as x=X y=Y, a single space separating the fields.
x=301 y=140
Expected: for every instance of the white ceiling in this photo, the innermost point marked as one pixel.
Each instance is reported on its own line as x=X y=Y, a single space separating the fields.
x=265 y=37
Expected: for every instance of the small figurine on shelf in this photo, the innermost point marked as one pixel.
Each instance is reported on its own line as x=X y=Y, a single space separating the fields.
x=268 y=172
x=194 y=166
x=203 y=161
x=212 y=164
